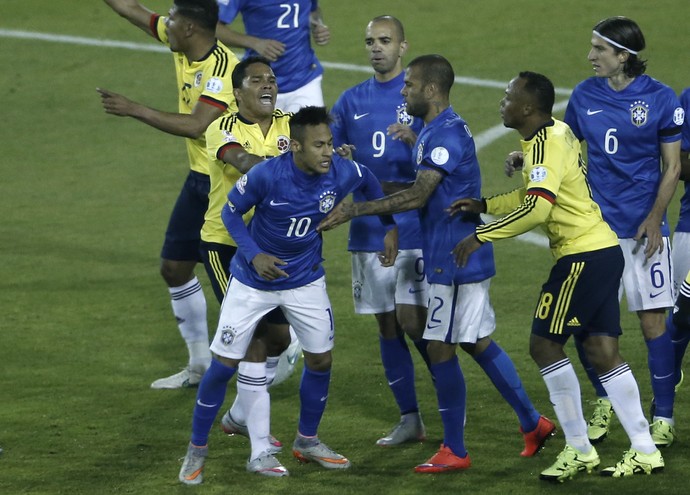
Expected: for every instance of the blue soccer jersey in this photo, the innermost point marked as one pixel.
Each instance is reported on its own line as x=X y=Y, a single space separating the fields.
x=361 y=116
x=624 y=130
x=289 y=204
x=684 y=218
x=446 y=145
x=287 y=22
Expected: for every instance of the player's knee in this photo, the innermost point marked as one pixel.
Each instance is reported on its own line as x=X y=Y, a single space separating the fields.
x=318 y=362
x=176 y=273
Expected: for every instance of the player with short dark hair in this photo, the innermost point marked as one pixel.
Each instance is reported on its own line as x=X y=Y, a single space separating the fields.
x=631 y=123
x=580 y=297
x=460 y=310
x=279 y=264
x=236 y=143
x=203 y=67
x=370 y=121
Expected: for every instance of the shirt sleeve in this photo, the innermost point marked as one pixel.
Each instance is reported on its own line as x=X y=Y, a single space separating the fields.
x=533 y=212
x=246 y=193
x=502 y=204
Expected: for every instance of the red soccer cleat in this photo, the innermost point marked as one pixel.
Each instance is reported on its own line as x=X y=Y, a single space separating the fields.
x=535 y=439
x=443 y=461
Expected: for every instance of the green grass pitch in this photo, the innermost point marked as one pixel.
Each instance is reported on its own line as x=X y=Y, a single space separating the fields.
x=86 y=322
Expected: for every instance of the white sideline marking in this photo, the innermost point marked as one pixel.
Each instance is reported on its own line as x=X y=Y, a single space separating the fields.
x=482 y=140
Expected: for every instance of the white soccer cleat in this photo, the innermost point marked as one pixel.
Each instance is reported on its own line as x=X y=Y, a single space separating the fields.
x=187 y=378
x=267 y=465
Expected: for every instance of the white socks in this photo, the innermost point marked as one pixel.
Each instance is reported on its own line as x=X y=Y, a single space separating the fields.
x=621 y=387
x=189 y=308
x=252 y=405
x=564 y=393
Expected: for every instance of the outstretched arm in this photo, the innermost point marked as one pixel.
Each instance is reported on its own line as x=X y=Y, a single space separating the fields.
x=409 y=199
x=191 y=125
x=134 y=12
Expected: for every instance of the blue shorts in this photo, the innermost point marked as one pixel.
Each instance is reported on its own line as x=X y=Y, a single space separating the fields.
x=216 y=259
x=581 y=296
x=183 y=235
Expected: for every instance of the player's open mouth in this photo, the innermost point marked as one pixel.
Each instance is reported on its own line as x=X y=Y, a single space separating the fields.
x=266 y=98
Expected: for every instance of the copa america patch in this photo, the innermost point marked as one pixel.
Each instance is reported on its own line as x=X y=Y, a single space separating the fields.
x=229 y=137
x=420 y=153
x=403 y=117
x=241 y=182
x=227 y=336
x=537 y=174
x=197 y=79
x=439 y=155
x=283 y=144
x=214 y=85
x=679 y=116
x=326 y=201
x=639 y=111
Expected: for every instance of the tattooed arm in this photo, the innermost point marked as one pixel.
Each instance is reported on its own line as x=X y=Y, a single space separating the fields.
x=409 y=199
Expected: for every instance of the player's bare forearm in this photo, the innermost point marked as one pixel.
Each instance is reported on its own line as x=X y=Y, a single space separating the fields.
x=179 y=124
x=651 y=226
x=685 y=165
x=134 y=12
x=408 y=199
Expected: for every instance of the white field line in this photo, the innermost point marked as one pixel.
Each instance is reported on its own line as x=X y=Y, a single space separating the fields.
x=482 y=140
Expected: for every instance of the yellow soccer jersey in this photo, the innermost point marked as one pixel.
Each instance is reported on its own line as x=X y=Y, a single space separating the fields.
x=556 y=196
x=233 y=130
x=207 y=80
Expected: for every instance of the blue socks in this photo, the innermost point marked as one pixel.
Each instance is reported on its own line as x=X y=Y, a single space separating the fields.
x=501 y=370
x=452 y=397
x=313 y=393
x=680 y=339
x=661 y=369
x=209 y=398
x=399 y=371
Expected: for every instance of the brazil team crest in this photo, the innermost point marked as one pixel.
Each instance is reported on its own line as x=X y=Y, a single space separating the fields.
x=357 y=289
x=326 y=201
x=228 y=335
x=639 y=110
x=402 y=116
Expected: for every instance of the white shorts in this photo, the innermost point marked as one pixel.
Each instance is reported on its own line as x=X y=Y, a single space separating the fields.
x=377 y=289
x=648 y=284
x=680 y=257
x=308 y=95
x=460 y=313
x=307 y=308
